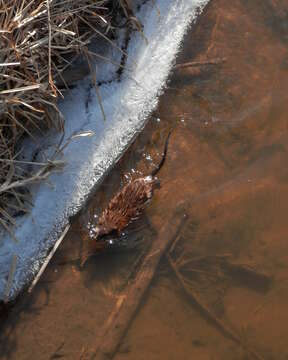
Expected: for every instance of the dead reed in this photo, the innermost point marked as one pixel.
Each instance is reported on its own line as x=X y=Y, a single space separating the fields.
x=39 y=39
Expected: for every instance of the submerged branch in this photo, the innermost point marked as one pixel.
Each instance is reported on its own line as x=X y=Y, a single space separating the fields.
x=128 y=302
x=207 y=313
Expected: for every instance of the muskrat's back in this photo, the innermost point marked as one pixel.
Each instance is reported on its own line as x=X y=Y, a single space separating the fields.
x=126 y=205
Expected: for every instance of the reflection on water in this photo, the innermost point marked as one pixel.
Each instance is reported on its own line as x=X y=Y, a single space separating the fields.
x=227 y=159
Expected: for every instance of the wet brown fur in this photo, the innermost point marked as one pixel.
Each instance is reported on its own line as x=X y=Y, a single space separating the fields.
x=123 y=208
x=130 y=201
x=126 y=205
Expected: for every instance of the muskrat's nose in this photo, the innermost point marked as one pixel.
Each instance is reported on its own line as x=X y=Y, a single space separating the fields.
x=93 y=231
x=100 y=231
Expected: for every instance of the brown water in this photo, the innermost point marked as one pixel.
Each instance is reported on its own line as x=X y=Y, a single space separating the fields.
x=227 y=159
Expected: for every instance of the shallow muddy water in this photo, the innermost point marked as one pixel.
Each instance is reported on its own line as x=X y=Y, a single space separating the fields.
x=227 y=165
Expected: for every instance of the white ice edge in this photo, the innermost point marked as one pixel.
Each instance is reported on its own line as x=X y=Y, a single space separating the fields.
x=127 y=105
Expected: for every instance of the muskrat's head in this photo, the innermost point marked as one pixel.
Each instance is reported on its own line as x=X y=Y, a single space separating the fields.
x=97 y=231
x=100 y=231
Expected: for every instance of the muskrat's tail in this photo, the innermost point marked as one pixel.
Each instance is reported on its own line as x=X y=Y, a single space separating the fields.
x=161 y=163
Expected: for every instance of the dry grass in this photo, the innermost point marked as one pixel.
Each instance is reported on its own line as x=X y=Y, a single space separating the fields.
x=39 y=39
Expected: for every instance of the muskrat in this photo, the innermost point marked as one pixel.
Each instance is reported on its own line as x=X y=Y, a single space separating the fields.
x=125 y=207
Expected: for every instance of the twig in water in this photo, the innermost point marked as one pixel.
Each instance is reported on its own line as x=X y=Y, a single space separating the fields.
x=247 y=275
x=48 y=258
x=175 y=242
x=200 y=63
x=128 y=303
x=208 y=314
